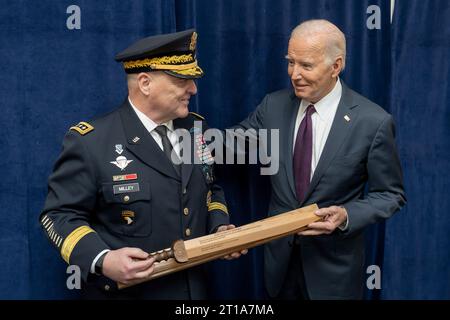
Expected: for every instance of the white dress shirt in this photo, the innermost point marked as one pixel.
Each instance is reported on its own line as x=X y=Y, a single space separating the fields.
x=150 y=125
x=322 y=120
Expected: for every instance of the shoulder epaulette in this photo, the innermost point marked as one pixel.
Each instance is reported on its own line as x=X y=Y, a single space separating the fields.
x=197 y=115
x=82 y=128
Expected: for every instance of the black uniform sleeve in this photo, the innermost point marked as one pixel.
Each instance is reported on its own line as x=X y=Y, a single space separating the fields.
x=217 y=209
x=70 y=202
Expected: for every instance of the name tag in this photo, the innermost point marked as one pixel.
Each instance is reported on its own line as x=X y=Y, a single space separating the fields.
x=124 y=188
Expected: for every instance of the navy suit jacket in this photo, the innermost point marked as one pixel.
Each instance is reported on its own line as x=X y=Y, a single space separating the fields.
x=358 y=153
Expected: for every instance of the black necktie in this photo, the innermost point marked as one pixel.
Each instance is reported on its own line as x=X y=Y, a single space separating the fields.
x=167 y=146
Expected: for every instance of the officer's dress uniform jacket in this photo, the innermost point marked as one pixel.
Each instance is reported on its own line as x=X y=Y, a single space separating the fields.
x=113 y=187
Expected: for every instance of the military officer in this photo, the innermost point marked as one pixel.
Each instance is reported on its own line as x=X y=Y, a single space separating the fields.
x=115 y=194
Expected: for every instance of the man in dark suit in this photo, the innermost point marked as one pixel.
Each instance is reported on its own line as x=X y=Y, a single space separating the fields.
x=115 y=195
x=333 y=143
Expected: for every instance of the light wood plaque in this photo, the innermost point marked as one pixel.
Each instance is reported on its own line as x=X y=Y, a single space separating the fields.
x=189 y=253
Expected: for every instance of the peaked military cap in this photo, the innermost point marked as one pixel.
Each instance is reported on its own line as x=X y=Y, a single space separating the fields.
x=173 y=53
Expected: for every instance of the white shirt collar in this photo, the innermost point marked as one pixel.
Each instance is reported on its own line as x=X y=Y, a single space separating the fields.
x=148 y=123
x=322 y=106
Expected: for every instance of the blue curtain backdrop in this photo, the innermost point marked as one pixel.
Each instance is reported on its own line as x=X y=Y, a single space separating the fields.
x=417 y=241
x=53 y=77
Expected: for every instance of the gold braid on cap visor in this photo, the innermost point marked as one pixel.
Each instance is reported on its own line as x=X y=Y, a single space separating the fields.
x=175 y=63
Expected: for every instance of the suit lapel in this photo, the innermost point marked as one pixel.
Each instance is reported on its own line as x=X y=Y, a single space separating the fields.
x=346 y=115
x=142 y=145
x=291 y=116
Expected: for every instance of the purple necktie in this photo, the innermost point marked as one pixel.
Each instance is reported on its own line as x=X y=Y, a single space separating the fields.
x=303 y=154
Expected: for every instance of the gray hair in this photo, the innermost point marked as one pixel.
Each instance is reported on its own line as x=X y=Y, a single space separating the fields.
x=335 y=45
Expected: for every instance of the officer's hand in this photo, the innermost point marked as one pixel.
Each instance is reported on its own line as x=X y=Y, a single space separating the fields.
x=233 y=255
x=332 y=217
x=127 y=264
